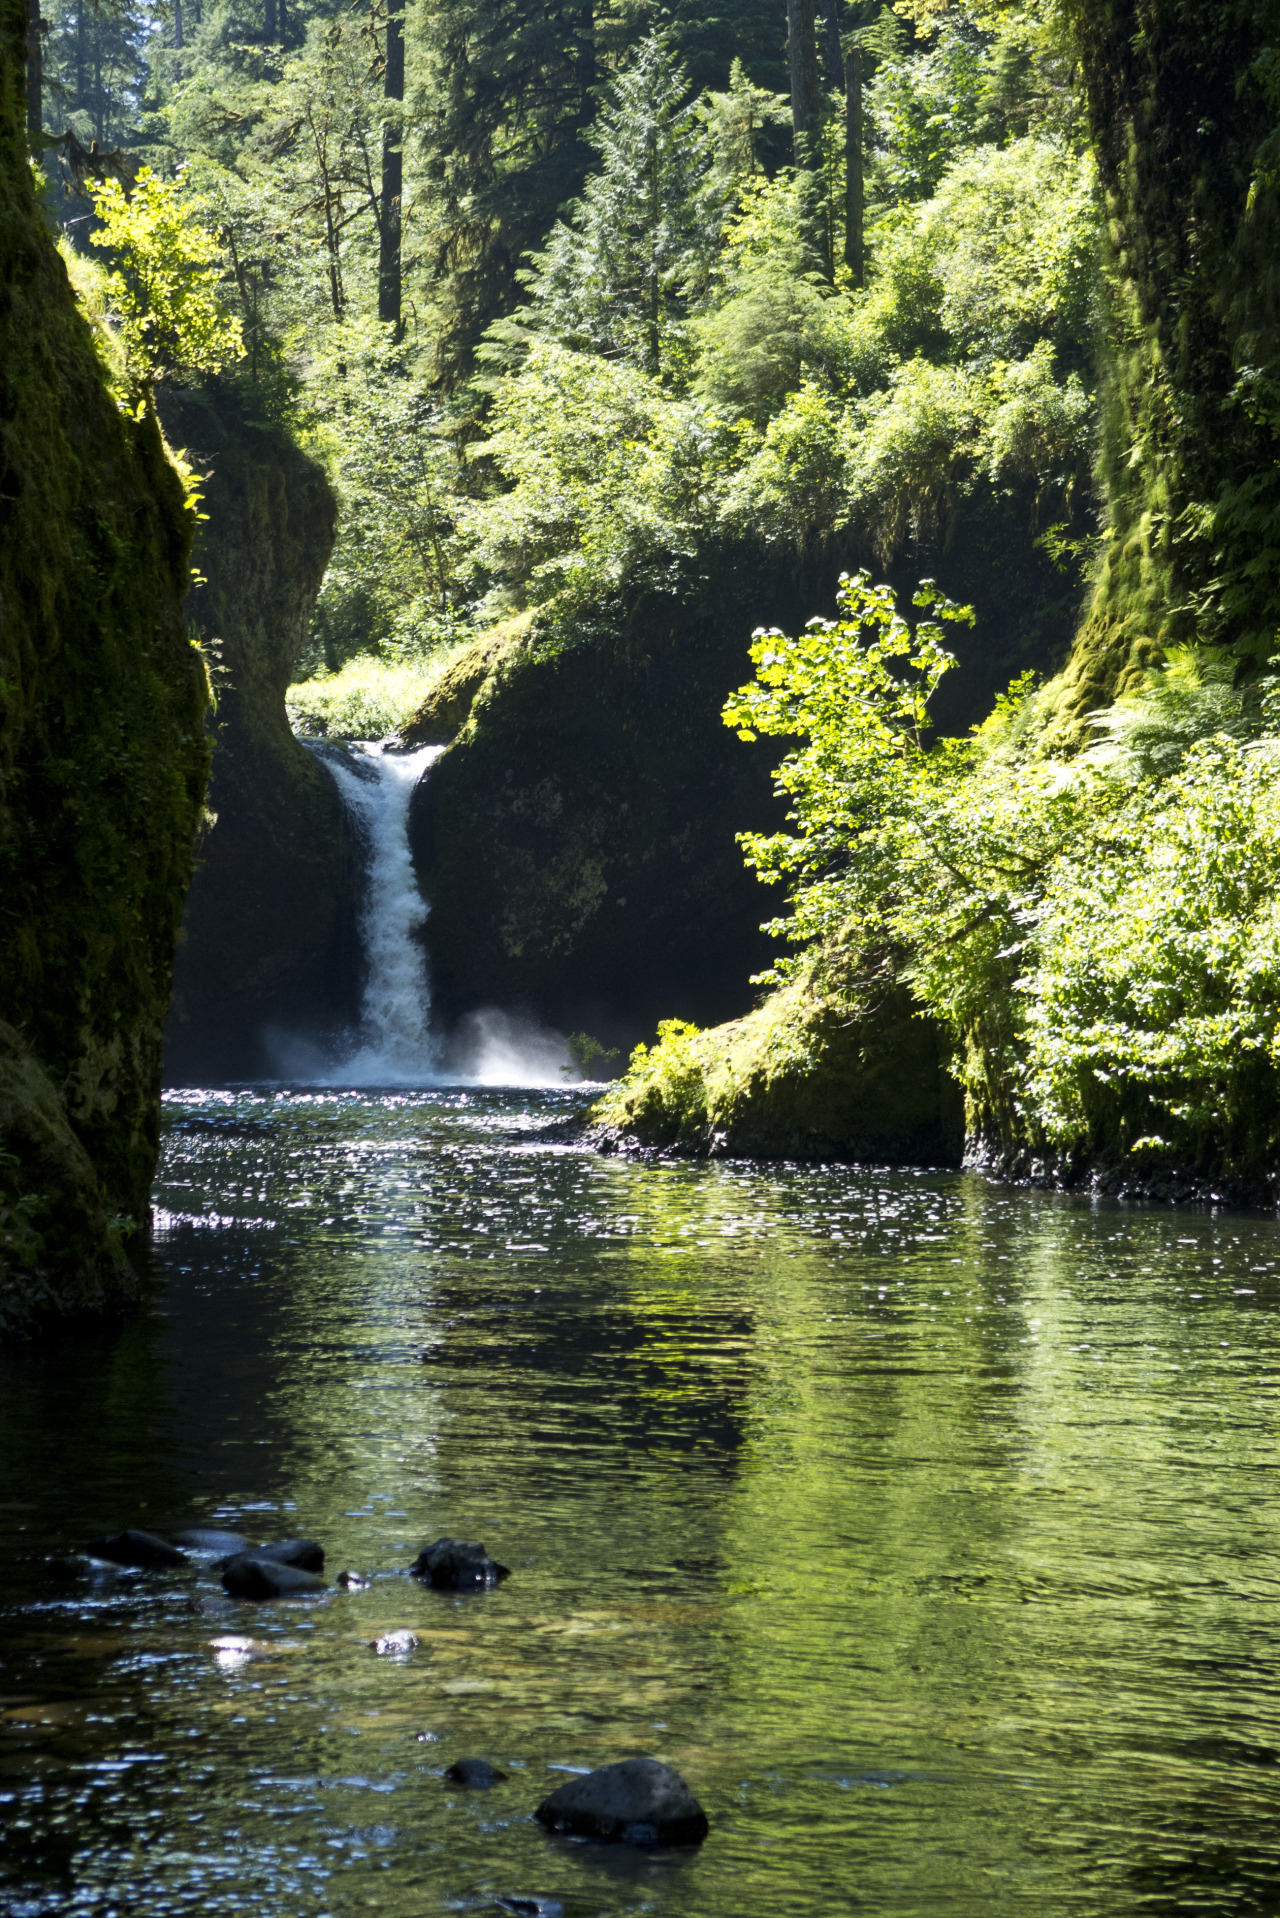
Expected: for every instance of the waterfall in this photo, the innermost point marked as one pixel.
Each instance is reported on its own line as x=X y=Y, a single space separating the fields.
x=395 y=1044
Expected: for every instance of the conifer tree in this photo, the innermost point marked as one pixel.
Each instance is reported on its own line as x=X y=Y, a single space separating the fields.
x=622 y=272
x=505 y=93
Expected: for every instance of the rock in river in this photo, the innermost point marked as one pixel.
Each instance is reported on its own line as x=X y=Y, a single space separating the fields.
x=639 y=1802
x=304 y=1553
x=476 y=1773
x=394 y=1644
x=207 y=1541
x=141 y=1549
x=454 y=1565
x=254 y=1575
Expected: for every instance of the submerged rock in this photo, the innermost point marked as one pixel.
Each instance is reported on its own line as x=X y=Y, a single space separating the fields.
x=531 y=1907
x=638 y=1802
x=142 y=1550
x=305 y=1553
x=253 y=1575
x=215 y=1544
x=452 y=1564
x=477 y=1774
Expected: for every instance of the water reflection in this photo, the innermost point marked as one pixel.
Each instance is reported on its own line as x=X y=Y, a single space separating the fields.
x=931 y=1530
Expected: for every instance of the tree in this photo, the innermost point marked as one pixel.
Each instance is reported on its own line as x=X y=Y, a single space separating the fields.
x=806 y=85
x=164 y=280
x=505 y=92
x=618 y=277
x=389 y=212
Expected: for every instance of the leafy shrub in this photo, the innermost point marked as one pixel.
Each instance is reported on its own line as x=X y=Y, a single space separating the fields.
x=1102 y=938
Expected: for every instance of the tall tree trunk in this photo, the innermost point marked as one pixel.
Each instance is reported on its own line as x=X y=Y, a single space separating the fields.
x=270 y=27
x=389 y=291
x=854 y=203
x=831 y=44
x=587 y=64
x=80 y=53
x=177 y=24
x=806 y=86
x=806 y=136
x=35 y=75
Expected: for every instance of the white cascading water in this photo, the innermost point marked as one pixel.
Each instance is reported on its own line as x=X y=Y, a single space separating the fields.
x=395 y=1046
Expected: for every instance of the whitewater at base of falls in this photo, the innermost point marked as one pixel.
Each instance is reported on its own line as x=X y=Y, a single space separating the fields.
x=396 y=1044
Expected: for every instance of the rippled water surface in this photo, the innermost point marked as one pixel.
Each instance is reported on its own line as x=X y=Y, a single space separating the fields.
x=929 y=1529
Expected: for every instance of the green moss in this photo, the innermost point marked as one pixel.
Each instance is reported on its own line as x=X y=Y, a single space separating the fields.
x=454 y=683
x=1179 y=96
x=828 y=1067
x=103 y=762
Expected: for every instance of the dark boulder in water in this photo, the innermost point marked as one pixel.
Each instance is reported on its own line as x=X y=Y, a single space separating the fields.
x=141 y=1550
x=452 y=1564
x=252 y=1575
x=476 y=1773
x=207 y=1541
x=638 y=1802
x=305 y=1553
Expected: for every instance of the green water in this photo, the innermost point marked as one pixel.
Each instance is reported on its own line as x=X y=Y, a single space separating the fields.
x=930 y=1530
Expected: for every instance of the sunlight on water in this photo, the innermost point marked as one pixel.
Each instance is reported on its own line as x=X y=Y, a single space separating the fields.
x=929 y=1529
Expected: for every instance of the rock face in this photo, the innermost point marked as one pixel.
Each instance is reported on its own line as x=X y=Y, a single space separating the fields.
x=1188 y=301
x=102 y=772
x=824 y=1069
x=639 y=1802
x=577 y=842
x=451 y=1564
x=268 y=939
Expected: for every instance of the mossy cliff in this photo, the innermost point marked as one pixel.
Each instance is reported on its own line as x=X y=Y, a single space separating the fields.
x=267 y=938
x=826 y=1068
x=1182 y=98
x=103 y=760
x=577 y=841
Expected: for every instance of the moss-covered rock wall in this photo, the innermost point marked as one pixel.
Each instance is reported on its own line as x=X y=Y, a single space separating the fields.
x=1184 y=101
x=268 y=940
x=826 y=1068
x=103 y=760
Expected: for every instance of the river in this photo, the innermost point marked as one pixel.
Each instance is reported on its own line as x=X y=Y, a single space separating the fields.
x=931 y=1530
